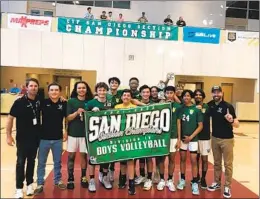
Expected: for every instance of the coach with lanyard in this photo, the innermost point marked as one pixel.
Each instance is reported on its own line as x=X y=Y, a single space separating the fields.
x=223 y=120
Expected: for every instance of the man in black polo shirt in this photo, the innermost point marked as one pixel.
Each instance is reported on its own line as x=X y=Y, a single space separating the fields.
x=223 y=120
x=53 y=115
x=26 y=110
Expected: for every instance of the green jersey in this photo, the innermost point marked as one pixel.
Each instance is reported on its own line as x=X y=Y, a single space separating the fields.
x=76 y=127
x=136 y=95
x=117 y=96
x=205 y=133
x=109 y=104
x=175 y=112
x=190 y=116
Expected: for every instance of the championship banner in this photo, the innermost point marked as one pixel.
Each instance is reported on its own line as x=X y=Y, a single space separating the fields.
x=201 y=35
x=117 y=29
x=28 y=22
x=122 y=134
x=242 y=37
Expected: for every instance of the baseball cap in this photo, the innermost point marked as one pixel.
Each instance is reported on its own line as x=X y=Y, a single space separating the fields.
x=216 y=88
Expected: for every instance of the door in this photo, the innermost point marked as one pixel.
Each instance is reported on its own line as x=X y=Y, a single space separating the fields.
x=227 y=90
x=65 y=85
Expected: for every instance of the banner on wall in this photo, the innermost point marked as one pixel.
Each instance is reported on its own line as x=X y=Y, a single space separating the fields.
x=28 y=22
x=117 y=135
x=117 y=29
x=201 y=35
x=242 y=37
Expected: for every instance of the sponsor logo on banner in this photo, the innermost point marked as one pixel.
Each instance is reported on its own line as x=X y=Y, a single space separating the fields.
x=242 y=37
x=123 y=134
x=117 y=29
x=201 y=35
x=19 y=21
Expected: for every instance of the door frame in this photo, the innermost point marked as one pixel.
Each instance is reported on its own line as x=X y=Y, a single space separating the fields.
x=228 y=84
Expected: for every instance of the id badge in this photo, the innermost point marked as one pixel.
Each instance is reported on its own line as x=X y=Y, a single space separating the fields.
x=34 y=121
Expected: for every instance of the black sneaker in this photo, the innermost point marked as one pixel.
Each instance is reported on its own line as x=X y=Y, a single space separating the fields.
x=122 y=183
x=38 y=190
x=70 y=185
x=131 y=190
x=203 y=184
x=227 y=192
x=215 y=186
x=84 y=182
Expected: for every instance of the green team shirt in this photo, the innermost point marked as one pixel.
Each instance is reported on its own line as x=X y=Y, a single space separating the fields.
x=176 y=107
x=109 y=104
x=136 y=95
x=76 y=127
x=205 y=133
x=117 y=96
x=190 y=116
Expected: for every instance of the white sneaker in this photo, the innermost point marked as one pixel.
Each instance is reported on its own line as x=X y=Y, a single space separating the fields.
x=110 y=175
x=148 y=184
x=100 y=176
x=106 y=182
x=161 y=185
x=181 y=184
x=195 y=189
x=92 y=185
x=30 y=191
x=139 y=180
x=18 y=193
x=171 y=185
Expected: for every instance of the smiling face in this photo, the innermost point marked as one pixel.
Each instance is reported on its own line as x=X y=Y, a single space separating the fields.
x=217 y=95
x=126 y=97
x=54 y=92
x=101 y=92
x=81 y=90
x=154 y=93
x=114 y=85
x=198 y=97
x=146 y=94
x=32 y=88
x=187 y=98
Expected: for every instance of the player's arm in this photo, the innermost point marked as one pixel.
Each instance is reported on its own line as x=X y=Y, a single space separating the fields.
x=176 y=99
x=71 y=115
x=137 y=103
x=197 y=131
x=233 y=119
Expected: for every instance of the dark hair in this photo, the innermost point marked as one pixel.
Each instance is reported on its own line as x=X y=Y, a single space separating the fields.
x=169 y=88
x=101 y=85
x=133 y=78
x=120 y=14
x=114 y=79
x=187 y=91
x=201 y=91
x=31 y=80
x=89 y=8
x=155 y=88
x=89 y=94
x=127 y=91
x=54 y=84
x=109 y=12
x=103 y=11
x=144 y=87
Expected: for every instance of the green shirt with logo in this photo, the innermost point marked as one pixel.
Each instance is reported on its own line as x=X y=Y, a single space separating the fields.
x=176 y=107
x=76 y=127
x=109 y=104
x=190 y=116
x=117 y=96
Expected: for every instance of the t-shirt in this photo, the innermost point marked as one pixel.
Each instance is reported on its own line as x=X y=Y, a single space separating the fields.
x=76 y=127
x=23 y=110
x=221 y=128
x=103 y=17
x=109 y=104
x=136 y=95
x=117 y=96
x=180 y=23
x=205 y=133
x=167 y=20
x=175 y=112
x=122 y=106
x=53 y=115
x=190 y=116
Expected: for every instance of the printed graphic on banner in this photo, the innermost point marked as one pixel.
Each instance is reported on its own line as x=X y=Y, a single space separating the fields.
x=201 y=35
x=116 y=135
x=19 y=21
x=242 y=37
x=117 y=29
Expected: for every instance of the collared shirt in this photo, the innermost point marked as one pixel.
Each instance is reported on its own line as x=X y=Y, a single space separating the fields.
x=89 y=16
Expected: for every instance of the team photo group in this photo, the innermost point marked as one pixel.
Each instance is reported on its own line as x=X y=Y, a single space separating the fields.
x=138 y=129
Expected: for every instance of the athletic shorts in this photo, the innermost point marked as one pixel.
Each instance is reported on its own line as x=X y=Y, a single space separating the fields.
x=204 y=147
x=76 y=144
x=191 y=146
x=173 y=143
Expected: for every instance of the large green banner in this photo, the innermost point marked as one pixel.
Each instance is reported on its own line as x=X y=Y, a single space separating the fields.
x=117 y=29
x=122 y=134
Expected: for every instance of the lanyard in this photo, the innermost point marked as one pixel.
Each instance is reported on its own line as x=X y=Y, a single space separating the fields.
x=33 y=109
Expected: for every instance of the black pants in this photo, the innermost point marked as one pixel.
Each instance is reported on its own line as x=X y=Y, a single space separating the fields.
x=25 y=151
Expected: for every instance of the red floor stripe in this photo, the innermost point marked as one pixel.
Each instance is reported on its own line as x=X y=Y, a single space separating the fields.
x=238 y=190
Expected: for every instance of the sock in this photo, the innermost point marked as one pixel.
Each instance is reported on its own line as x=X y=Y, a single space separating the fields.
x=162 y=176
x=104 y=173
x=183 y=176
x=71 y=174
x=195 y=179
x=83 y=172
x=149 y=175
x=170 y=177
x=123 y=178
x=112 y=167
x=131 y=182
x=142 y=173
x=91 y=176
x=204 y=174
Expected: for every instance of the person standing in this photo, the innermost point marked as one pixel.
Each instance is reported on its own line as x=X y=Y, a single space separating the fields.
x=53 y=115
x=26 y=110
x=223 y=120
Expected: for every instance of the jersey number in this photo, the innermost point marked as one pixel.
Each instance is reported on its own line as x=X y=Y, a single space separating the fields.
x=185 y=118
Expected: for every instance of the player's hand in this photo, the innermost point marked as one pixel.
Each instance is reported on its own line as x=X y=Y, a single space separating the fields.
x=80 y=110
x=95 y=109
x=10 y=141
x=63 y=99
x=229 y=117
x=186 y=139
x=178 y=144
x=65 y=136
x=199 y=107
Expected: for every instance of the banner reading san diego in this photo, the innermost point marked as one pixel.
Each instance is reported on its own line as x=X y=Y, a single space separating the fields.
x=116 y=135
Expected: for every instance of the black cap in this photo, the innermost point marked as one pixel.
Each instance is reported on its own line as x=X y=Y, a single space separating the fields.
x=216 y=88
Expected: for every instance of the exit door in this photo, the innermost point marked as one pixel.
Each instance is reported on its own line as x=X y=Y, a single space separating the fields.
x=227 y=90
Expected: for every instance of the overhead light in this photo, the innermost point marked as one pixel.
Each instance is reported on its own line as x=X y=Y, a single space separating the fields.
x=76 y=2
x=53 y=4
x=222 y=6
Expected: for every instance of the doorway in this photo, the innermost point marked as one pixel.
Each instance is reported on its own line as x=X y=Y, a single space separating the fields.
x=227 y=90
